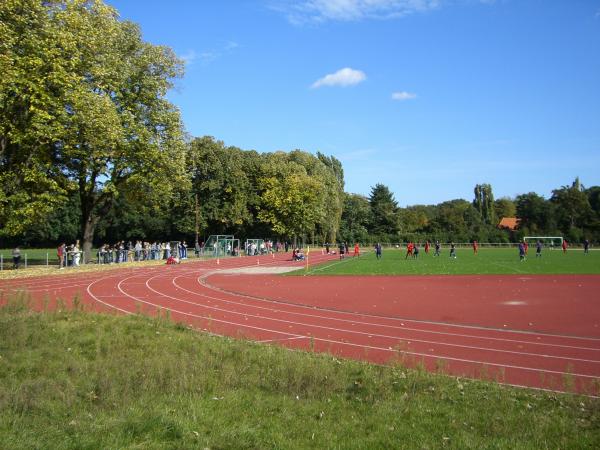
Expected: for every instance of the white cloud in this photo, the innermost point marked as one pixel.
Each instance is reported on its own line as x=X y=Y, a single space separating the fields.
x=401 y=96
x=343 y=77
x=303 y=11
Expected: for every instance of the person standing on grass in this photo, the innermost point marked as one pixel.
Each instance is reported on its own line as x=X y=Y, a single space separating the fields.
x=427 y=247
x=378 y=250
x=586 y=247
x=452 y=250
x=76 y=254
x=416 y=251
x=526 y=246
x=356 y=250
x=437 y=248
x=409 y=250
x=60 y=253
x=521 y=251
x=16 y=256
x=538 y=249
x=564 y=246
x=342 y=249
x=475 y=246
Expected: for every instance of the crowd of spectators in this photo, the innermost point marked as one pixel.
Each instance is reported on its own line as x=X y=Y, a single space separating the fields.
x=141 y=251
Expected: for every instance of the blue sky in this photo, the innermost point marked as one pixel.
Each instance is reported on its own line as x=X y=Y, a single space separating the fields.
x=428 y=97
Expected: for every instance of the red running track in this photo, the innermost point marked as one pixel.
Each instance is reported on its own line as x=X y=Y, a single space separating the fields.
x=534 y=331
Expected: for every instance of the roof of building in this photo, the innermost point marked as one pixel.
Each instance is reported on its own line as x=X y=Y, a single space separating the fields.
x=509 y=222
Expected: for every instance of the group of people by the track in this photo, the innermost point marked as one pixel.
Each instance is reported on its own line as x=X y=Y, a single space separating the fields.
x=174 y=251
x=141 y=251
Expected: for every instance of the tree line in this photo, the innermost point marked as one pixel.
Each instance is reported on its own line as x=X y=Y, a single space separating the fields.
x=572 y=212
x=91 y=149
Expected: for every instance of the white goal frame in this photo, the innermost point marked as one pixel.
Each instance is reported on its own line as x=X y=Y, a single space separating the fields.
x=546 y=240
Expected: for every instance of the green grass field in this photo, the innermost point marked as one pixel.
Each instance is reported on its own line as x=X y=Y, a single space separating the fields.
x=487 y=261
x=73 y=380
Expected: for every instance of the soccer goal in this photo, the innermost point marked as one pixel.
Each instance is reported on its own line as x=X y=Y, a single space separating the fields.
x=255 y=247
x=547 y=241
x=220 y=245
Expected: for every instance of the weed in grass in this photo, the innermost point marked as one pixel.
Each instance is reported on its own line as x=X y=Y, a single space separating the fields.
x=440 y=365
x=568 y=380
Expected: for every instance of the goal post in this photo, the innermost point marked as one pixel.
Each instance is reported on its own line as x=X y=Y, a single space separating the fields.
x=547 y=241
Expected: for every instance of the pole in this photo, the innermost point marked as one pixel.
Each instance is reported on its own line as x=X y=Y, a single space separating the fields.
x=307 y=253
x=46 y=259
x=1 y=261
x=26 y=260
x=197 y=227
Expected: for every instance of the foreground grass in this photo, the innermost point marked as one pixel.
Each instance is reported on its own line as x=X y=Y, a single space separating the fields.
x=76 y=380
x=487 y=261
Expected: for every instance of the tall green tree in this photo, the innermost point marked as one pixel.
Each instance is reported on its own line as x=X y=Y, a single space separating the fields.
x=484 y=203
x=110 y=130
x=572 y=208
x=292 y=204
x=384 y=210
x=35 y=76
x=505 y=207
x=223 y=180
x=356 y=218
x=535 y=213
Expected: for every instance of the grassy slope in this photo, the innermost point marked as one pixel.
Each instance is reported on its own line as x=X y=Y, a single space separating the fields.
x=77 y=380
x=488 y=261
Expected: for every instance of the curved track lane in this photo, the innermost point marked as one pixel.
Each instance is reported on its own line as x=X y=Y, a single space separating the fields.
x=361 y=317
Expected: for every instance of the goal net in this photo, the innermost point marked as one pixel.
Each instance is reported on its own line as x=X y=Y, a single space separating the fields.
x=219 y=245
x=547 y=241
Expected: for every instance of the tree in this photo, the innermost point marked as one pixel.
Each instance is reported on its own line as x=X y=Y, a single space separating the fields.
x=356 y=218
x=109 y=130
x=384 y=210
x=484 y=203
x=505 y=207
x=222 y=178
x=34 y=80
x=572 y=207
x=535 y=213
x=291 y=205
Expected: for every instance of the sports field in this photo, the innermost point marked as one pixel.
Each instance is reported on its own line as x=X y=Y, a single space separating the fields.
x=487 y=261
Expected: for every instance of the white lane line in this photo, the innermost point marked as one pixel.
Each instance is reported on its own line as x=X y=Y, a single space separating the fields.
x=393 y=327
x=355 y=332
x=281 y=340
x=368 y=347
x=211 y=319
x=202 y=282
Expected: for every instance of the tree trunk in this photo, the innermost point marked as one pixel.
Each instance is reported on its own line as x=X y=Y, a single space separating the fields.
x=89 y=227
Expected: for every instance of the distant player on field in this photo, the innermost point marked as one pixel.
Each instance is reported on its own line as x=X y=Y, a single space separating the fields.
x=416 y=251
x=409 y=250
x=452 y=250
x=378 y=250
x=526 y=246
x=538 y=249
x=437 y=248
x=475 y=246
x=427 y=247
x=564 y=246
x=356 y=250
x=586 y=247
x=521 y=251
